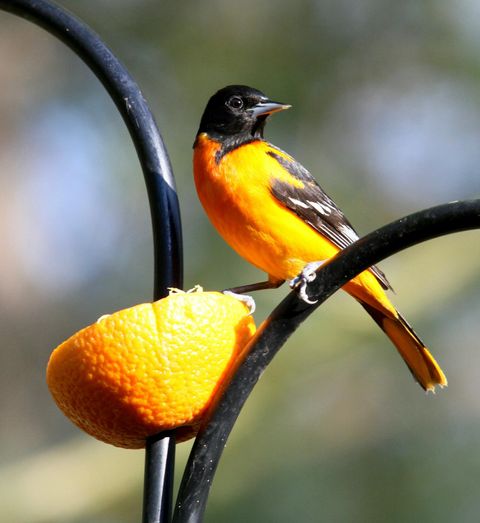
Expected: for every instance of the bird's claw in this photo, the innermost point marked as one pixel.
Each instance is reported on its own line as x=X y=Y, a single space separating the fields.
x=301 y=281
x=244 y=298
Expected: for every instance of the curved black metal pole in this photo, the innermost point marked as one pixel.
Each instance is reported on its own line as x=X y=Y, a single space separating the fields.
x=141 y=124
x=167 y=236
x=285 y=319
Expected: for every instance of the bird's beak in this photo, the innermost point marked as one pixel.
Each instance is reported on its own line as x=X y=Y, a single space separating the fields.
x=268 y=107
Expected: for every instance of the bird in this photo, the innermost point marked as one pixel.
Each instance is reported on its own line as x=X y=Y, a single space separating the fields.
x=275 y=215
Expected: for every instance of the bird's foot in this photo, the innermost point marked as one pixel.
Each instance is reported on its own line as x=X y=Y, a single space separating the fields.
x=244 y=298
x=301 y=281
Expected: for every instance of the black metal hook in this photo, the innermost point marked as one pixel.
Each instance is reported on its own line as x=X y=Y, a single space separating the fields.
x=165 y=213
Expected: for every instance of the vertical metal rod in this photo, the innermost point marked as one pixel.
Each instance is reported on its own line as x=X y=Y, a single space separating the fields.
x=159 y=465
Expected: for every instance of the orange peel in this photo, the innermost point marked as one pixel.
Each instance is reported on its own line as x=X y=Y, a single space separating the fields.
x=149 y=368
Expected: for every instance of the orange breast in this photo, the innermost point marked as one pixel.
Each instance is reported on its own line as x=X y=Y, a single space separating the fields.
x=236 y=196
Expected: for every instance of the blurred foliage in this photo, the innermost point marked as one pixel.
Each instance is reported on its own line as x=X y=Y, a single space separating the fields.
x=385 y=113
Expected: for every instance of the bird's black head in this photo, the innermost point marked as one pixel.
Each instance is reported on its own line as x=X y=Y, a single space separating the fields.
x=237 y=111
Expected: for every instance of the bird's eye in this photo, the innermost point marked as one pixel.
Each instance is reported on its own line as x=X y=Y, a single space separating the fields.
x=235 y=102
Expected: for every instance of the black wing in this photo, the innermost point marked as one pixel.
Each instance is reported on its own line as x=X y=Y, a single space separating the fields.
x=316 y=208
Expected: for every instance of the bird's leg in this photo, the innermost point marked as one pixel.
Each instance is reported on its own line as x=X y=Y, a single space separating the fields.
x=238 y=292
x=307 y=275
x=260 y=286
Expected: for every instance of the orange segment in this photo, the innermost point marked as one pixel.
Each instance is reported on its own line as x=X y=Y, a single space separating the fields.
x=149 y=368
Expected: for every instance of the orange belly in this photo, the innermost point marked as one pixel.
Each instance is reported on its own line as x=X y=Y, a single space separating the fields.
x=236 y=196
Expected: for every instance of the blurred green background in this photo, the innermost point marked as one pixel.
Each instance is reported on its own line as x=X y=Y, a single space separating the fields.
x=386 y=114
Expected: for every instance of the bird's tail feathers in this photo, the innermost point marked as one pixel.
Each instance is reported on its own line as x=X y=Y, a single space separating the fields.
x=417 y=357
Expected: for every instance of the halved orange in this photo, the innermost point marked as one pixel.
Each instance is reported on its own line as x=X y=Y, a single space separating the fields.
x=150 y=368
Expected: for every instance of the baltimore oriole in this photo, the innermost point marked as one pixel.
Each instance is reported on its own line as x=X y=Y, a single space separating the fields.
x=271 y=210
